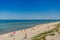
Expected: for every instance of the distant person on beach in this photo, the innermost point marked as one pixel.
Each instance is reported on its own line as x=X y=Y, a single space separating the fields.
x=25 y=37
x=32 y=28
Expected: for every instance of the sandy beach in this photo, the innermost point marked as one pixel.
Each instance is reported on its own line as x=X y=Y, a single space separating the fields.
x=27 y=34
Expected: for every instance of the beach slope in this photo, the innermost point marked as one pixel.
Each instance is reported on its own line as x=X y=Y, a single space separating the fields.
x=32 y=33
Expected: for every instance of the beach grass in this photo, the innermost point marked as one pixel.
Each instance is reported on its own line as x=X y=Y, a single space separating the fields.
x=42 y=36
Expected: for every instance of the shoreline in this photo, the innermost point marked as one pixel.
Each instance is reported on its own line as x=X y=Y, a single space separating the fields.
x=20 y=34
x=11 y=30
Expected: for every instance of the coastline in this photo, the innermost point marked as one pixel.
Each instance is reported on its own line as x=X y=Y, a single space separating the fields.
x=7 y=26
x=20 y=34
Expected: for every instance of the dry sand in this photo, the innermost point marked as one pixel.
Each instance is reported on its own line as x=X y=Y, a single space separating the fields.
x=27 y=34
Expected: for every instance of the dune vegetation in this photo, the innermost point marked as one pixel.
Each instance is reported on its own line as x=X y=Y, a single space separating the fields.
x=42 y=36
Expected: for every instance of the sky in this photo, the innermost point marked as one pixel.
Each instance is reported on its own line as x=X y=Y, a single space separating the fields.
x=30 y=9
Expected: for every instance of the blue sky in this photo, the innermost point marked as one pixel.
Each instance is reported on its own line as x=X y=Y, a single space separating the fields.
x=29 y=9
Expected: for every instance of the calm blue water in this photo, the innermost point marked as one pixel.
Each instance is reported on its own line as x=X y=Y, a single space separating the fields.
x=13 y=25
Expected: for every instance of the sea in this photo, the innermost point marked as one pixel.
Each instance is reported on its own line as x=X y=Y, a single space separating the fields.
x=7 y=26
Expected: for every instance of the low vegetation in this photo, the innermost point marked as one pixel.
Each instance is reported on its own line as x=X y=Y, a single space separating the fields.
x=42 y=36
